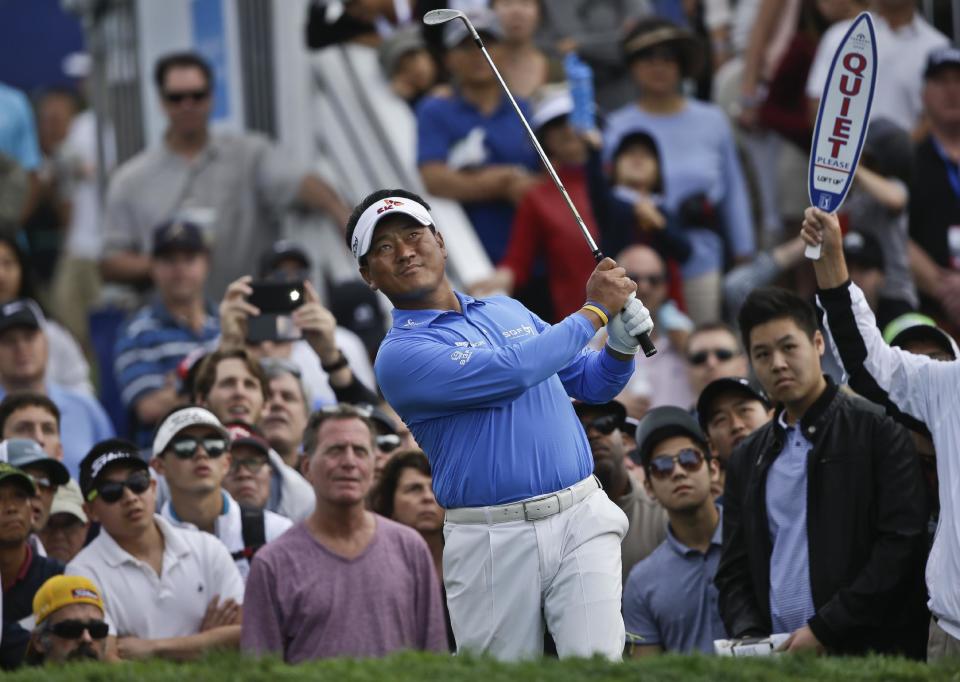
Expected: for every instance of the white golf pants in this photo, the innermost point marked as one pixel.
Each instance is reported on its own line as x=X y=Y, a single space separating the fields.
x=504 y=580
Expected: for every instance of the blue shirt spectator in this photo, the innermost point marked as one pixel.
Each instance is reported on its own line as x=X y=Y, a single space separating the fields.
x=449 y=125
x=488 y=397
x=698 y=156
x=670 y=599
x=18 y=134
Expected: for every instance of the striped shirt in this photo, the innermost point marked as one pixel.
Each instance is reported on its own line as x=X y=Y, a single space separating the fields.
x=791 y=598
x=152 y=344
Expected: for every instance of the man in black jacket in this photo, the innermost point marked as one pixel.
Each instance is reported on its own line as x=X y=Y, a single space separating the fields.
x=824 y=508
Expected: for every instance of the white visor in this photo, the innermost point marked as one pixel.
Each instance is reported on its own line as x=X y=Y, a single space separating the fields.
x=363 y=232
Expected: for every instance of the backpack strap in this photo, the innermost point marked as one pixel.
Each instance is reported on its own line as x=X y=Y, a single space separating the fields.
x=254 y=530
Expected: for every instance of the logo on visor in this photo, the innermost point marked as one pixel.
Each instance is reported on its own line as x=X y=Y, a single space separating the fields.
x=389 y=204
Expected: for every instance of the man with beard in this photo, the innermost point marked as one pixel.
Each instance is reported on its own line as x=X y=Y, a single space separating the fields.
x=603 y=425
x=68 y=611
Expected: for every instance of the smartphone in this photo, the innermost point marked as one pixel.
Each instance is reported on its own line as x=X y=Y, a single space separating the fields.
x=276 y=300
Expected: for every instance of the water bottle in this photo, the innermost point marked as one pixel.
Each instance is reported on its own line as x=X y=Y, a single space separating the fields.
x=580 y=77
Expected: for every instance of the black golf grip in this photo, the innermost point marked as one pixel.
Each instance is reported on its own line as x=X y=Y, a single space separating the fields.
x=644 y=339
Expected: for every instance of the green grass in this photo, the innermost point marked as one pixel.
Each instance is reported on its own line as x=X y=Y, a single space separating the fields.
x=412 y=667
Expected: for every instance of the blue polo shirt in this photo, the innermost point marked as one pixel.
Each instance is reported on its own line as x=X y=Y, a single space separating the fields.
x=670 y=599
x=442 y=122
x=486 y=393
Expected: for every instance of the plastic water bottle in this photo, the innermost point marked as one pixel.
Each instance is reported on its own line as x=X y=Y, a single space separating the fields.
x=580 y=77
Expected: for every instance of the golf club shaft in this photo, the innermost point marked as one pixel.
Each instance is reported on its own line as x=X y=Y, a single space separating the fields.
x=644 y=339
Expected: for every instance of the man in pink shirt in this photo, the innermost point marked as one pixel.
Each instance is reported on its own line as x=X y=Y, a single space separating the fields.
x=345 y=581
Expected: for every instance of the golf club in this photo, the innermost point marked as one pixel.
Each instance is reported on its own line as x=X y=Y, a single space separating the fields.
x=442 y=16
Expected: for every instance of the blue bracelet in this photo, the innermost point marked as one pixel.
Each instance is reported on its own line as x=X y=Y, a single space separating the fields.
x=601 y=306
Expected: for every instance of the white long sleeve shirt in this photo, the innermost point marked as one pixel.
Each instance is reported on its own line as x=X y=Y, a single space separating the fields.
x=922 y=389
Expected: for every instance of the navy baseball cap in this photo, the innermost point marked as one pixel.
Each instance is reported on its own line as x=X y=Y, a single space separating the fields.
x=280 y=251
x=719 y=387
x=178 y=235
x=106 y=455
x=941 y=58
x=23 y=312
x=611 y=407
x=665 y=422
x=861 y=249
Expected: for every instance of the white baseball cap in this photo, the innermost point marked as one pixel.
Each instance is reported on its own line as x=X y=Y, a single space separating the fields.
x=363 y=232
x=181 y=419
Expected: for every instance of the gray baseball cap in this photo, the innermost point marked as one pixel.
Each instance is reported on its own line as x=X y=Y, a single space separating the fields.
x=23 y=452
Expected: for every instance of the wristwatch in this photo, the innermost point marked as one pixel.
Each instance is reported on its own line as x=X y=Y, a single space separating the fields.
x=340 y=363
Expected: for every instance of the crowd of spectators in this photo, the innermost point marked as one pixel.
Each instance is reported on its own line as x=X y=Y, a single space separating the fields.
x=259 y=494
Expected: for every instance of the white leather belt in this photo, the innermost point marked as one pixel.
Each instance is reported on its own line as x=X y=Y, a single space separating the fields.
x=532 y=509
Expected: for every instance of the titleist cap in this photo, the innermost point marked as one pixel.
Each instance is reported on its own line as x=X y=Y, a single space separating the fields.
x=363 y=232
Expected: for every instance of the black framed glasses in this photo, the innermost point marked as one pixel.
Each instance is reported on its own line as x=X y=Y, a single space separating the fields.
x=186 y=447
x=251 y=464
x=195 y=96
x=73 y=629
x=662 y=466
x=721 y=354
x=388 y=442
x=606 y=424
x=111 y=491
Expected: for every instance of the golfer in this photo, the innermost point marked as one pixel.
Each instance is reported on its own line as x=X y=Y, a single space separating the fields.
x=485 y=386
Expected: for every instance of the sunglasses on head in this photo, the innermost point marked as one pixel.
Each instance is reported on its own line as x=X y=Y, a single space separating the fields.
x=73 y=629
x=721 y=354
x=187 y=446
x=112 y=491
x=689 y=459
x=606 y=424
x=192 y=95
x=388 y=442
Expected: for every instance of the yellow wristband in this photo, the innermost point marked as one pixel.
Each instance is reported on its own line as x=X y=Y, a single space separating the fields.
x=599 y=313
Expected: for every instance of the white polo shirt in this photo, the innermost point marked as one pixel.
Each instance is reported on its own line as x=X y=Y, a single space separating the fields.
x=228 y=528
x=139 y=603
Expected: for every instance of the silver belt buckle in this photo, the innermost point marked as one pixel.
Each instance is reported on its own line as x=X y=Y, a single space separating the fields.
x=537 y=503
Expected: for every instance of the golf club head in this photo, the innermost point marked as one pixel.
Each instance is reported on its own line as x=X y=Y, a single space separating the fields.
x=442 y=16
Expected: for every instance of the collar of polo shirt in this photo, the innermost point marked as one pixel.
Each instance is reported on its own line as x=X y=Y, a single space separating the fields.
x=363 y=232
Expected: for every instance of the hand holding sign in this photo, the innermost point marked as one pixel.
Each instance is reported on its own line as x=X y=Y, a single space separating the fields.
x=842 y=119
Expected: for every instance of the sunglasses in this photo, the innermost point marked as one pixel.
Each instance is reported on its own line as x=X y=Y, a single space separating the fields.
x=689 y=459
x=651 y=280
x=187 y=446
x=605 y=425
x=192 y=95
x=388 y=442
x=42 y=482
x=251 y=464
x=111 y=491
x=700 y=357
x=73 y=629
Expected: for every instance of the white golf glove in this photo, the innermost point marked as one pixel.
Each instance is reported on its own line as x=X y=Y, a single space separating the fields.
x=628 y=324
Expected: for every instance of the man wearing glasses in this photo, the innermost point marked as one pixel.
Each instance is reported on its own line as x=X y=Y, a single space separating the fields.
x=603 y=425
x=169 y=592
x=231 y=184
x=824 y=509
x=190 y=451
x=669 y=600
x=713 y=352
x=68 y=612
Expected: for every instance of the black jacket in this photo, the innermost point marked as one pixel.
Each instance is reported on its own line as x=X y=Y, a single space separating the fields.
x=866 y=519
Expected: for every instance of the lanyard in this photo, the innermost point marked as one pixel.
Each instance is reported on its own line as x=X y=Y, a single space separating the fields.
x=953 y=169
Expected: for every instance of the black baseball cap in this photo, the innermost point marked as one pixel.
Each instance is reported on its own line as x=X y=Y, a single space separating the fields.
x=718 y=387
x=636 y=138
x=282 y=250
x=611 y=407
x=861 y=249
x=178 y=235
x=104 y=456
x=665 y=422
x=941 y=58
x=22 y=312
